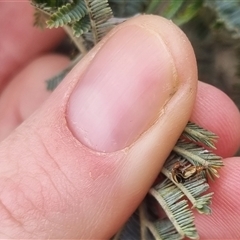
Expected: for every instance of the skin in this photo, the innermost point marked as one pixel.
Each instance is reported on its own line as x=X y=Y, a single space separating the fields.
x=51 y=183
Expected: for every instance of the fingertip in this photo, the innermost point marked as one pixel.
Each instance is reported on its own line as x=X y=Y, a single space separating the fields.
x=215 y=111
x=21 y=41
x=224 y=221
x=28 y=90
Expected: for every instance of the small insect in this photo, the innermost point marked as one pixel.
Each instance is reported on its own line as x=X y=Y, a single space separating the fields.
x=176 y=172
x=180 y=172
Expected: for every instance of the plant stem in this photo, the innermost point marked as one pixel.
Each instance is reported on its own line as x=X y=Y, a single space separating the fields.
x=79 y=42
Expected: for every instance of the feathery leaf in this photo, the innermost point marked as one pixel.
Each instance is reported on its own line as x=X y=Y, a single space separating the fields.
x=69 y=13
x=199 y=156
x=198 y=134
x=81 y=27
x=99 y=12
x=169 y=197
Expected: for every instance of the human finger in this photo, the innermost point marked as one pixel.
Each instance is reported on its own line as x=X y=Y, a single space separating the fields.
x=20 y=41
x=80 y=165
x=224 y=221
x=27 y=91
x=215 y=111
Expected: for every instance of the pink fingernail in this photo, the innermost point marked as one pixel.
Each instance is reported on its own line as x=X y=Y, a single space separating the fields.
x=123 y=90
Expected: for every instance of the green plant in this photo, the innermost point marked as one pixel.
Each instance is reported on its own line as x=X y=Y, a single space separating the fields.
x=183 y=179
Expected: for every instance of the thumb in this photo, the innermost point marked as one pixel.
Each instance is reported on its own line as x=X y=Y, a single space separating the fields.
x=81 y=164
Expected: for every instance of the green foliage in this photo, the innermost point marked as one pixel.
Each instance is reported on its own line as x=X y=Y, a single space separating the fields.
x=69 y=13
x=180 y=11
x=81 y=16
x=40 y=19
x=165 y=8
x=82 y=26
x=195 y=133
x=227 y=13
x=100 y=12
x=176 y=208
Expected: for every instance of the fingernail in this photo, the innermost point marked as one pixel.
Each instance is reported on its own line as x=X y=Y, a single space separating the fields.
x=123 y=90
